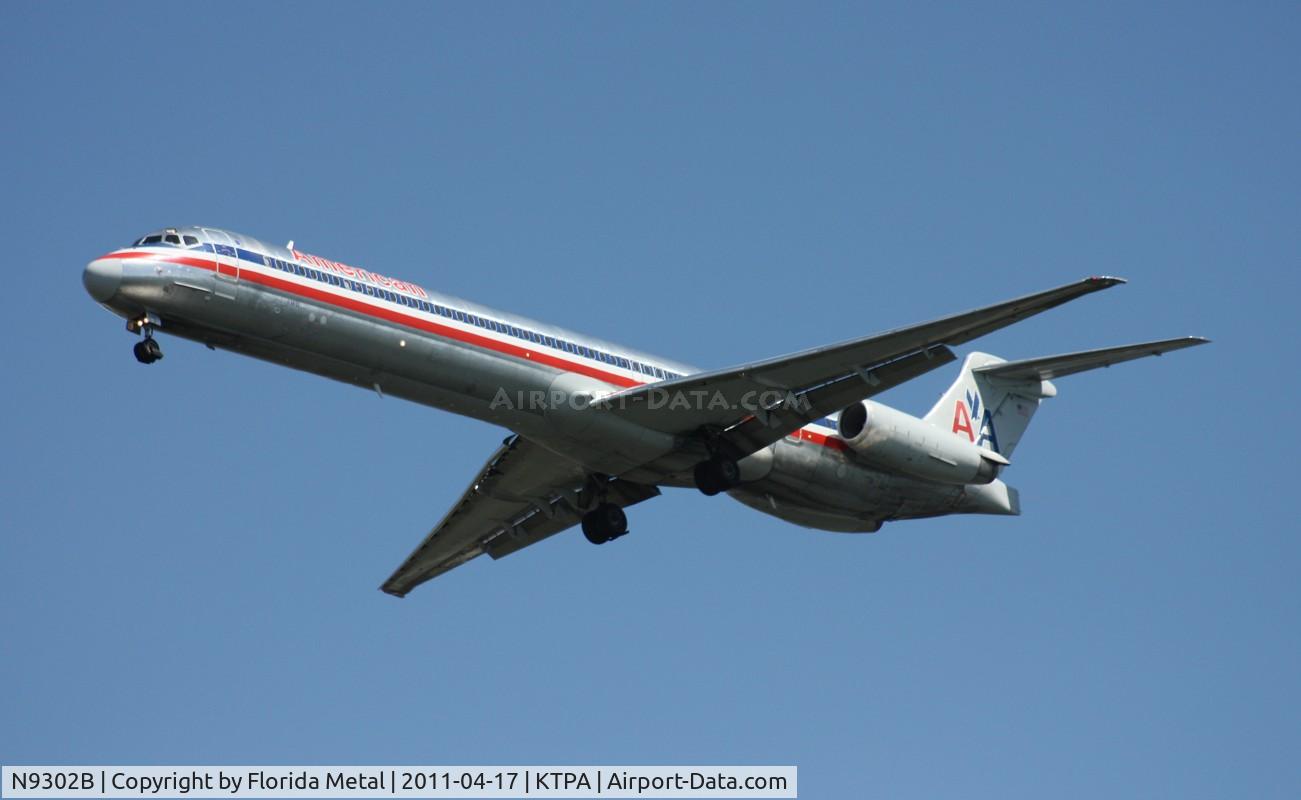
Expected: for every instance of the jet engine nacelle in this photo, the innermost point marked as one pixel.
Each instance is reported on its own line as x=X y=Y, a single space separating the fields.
x=894 y=440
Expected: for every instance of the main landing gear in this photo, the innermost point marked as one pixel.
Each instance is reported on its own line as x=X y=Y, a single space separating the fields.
x=718 y=474
x=147 y=350
x=605 y=523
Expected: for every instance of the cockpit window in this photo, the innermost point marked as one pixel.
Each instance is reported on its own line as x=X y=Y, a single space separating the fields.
x=168 y=236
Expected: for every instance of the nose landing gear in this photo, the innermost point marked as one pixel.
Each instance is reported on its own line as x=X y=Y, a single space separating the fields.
x=147 y=350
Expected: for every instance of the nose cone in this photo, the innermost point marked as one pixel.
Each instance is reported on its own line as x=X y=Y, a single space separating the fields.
x=102 y=277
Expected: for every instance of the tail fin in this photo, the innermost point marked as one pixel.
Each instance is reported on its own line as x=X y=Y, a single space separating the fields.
x=992 y=401
x=989 y=412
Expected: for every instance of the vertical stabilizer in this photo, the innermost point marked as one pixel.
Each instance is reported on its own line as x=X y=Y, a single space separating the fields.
x=990 y=412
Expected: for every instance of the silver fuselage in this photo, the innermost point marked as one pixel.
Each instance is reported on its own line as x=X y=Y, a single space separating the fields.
x=233 y=292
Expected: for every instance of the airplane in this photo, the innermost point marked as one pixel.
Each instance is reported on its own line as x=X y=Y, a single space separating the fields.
x=597 y=427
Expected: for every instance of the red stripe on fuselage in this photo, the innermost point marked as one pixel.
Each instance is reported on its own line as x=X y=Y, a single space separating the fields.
x=391 y=315
x=824 y=440
x=445 y=331
x=126 y=255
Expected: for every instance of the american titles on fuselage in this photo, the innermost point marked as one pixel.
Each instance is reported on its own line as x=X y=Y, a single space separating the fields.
x=358 y=272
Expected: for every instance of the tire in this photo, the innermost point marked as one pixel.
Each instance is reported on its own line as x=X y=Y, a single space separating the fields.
x=716 y=475
x=705 y=482
x=728 y=472
x=604 y=523
x=613 y=520
x=592 y=532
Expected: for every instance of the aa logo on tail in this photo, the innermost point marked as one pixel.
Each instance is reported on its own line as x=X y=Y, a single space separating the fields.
x=985 y=437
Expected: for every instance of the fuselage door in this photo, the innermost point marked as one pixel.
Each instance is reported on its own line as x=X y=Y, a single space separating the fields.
x=226 y=261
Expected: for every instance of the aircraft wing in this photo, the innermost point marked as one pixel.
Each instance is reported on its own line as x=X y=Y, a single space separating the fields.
x=1071 y=363
x=522 y=495
x=762 y=428
x=828 y=378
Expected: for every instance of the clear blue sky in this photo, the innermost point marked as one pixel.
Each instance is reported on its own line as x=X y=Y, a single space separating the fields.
x=190 y=552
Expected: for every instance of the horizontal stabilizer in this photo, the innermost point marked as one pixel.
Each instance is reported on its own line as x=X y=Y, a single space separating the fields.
x=1070 y=363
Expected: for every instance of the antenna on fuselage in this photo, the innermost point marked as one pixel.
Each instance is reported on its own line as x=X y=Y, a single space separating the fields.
x=290 y=246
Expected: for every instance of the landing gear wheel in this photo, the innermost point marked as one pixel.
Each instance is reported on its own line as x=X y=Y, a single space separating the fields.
x=727 y=471
x=716 y=475
x=147 y=351
x=604 y=523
